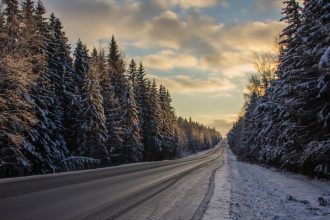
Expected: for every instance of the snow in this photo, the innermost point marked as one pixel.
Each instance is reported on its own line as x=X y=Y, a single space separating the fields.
x=325 y=59
x=247 y=191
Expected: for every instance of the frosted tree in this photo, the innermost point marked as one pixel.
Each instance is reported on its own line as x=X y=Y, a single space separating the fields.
x=112 y=109
x=60 y=73
x=16 y=110
x=12 y=26
x=2 y=26
x=92 y=113
x=288 y=125
x=292 y=16
x=153 y=140
x=120 y=86
x=132 y=73
x=28 y=28
x=133 y=139
x=168 y=124
x=142 y=96
x=46 y=135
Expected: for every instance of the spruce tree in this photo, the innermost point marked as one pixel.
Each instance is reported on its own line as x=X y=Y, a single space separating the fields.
x=92 y=118
x=112 y=111
x=16 y=110
x=153 y=142
x=61 y=76
x=132 y=73
x=119 y=83
x=12 y=26
x=133 y=140
x=2 y=27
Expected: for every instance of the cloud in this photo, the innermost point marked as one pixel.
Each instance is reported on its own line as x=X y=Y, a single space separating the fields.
x=253 y=36
x=185 y=4
x=186 y=39
x=267 y=5
x=185 y=84
x=221 y=125
x=168 y=59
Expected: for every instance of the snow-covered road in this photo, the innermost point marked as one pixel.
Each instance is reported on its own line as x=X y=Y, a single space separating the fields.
x=246 y=191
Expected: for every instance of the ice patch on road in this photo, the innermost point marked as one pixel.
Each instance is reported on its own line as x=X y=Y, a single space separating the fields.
x=247 y=191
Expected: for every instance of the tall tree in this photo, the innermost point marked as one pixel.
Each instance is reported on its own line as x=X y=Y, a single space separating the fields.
x=61 y=76
x=16 y=110
x=92 y=119
x=132 y=73
x=153 y=142
x=112 y=111
x=133 y=140
x=12 y=26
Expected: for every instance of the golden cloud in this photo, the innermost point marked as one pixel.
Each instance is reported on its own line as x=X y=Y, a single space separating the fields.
x=186 y=84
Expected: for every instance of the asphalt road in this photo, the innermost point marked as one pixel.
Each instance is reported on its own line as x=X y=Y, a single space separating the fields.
x=177 y=189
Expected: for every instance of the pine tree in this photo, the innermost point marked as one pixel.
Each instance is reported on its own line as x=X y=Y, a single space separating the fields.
x=133 y=140
x=12 y=24
x=168 y=124
x=46 y=135
x=114 y=56
x=61 y=76
x=93 y=128
x=142 y=96
x=81 y=69
x=120 y=87
x=27 y=17
x=132 y=73
x=16 y=110
x=288 y=125
x=153 y=144
x=292 y=15
x=2 y=27
x=112 y=111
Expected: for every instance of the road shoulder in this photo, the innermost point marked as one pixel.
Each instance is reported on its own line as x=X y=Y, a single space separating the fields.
x=246 y=191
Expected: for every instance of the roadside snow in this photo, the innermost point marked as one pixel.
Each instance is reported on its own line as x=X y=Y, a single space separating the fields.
x=246 y=191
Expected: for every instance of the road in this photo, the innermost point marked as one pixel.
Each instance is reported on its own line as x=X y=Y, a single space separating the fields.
x=178 y=189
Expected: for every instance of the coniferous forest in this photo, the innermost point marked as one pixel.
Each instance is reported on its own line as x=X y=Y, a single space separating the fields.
x=61 y=111
x=286 y=120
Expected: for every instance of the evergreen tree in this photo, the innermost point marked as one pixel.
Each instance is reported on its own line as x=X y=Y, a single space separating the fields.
x=81 y=69
x=12 y=26
x=132 y=73
x=168 y=124
x=93 y=128
x=2 y=27
x=120 y=87
x=114 y=56
x=112 y=111
x=46 y=135
x=16 y=109
x=133 y=140
x=61 y=76
x=288 y=126
x=153 y=144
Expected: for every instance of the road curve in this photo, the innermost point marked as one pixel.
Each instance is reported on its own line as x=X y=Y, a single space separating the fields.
x=107 y=193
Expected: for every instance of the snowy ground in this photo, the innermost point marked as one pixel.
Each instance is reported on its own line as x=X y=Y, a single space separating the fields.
x=246 y=191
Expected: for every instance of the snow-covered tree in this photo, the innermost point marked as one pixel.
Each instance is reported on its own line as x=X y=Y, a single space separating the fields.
x=133 y=139
x=16 y=106
x=288 y=125
x=92 y=118
x=112 y=110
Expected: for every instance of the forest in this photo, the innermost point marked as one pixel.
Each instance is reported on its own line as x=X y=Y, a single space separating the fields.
x=286 y=119
x=61 y=111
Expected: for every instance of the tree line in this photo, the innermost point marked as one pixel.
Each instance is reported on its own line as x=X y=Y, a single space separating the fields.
x=60 y=112
x=286 y=120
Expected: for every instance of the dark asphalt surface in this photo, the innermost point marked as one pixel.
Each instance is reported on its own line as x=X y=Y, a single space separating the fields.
x=107 y=193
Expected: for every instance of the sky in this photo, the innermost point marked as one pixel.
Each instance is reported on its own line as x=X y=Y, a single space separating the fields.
x=201 y=50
